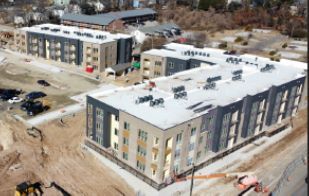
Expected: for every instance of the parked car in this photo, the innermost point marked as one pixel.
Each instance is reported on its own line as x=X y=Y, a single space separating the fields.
x=43 y=83
x=35 y=95
x=15 y=100
x=6 y=96
x=26 y=105
x=35 y=109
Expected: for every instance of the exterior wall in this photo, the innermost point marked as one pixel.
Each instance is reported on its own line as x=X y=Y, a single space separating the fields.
x=174 y=65
x=226 y=127
x=115 y=25
x=99 y=118
x=254 y=114
x=20 y=39
x=284 y=100
x=54 y=47
x=124 y=50
x=83 y=25
x=152 y=66
x=152 y=148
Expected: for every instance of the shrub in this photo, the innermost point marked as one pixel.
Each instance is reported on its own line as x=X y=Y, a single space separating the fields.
x=248 y=28
x=272 y=58
x=238 y=39
x=244 y=43
x=223 y=45
x=284 y=45
x=272 y=53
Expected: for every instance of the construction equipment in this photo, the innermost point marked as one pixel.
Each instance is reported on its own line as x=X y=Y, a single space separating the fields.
x=248 y=182
x=245 y=182
x=59 y=188
x=210 y=176
x=26 y=188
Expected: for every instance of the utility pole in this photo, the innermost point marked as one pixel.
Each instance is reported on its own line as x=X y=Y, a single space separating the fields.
x=191 y=187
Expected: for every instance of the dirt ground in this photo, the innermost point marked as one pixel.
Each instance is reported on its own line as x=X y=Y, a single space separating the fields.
x=259 y=43
x=266 y=164
x=58 y=157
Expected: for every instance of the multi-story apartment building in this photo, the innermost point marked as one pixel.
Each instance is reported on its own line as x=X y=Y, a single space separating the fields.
x=109 y=21
x=171 y=122
x=89 y=48
x=173 y=58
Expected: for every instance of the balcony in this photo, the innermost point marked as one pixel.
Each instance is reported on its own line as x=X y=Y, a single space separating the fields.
x=154 y=166
x=146 y=73
x=284 y=99
x=34 y=41
x=140 y=159
x=72 y=48
x=58 y=53
x=141 y=143
x=168 y=151
x=72 y=56
x=58 y=45
x=234 y=121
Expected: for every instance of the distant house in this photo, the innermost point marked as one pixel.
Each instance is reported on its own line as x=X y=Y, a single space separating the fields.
x=163 y=30
x=61 y=2
x=109 y=21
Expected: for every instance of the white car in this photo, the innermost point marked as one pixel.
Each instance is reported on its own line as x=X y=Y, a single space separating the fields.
x=15 y=100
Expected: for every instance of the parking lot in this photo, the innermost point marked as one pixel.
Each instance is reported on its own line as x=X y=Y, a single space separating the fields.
x=15 y=73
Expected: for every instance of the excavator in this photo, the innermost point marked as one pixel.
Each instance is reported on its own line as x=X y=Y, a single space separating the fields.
x=27 y=189
x=245 y=181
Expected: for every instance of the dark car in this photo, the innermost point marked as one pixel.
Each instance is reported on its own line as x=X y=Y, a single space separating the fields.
x=35 y=95
x=35 y=109
x=26 y=105
x=43 y=83
x=6 y=96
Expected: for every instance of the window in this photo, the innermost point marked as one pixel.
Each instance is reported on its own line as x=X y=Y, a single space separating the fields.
x=200 y=140
x=155 y=141
x=126 y=126
x=198 y=155
x=95 y=50
x=125 y=141
x=99 y=113
x=141 y=151
x=189 y=161
x=191 y=146
x=117 y=118
x=193 y=131
x=95 y=58
x=116 y=131
x=142 y=135
x=125 y=155
x=171 y=65
x=158 y=63
x=115 y=146
x=140 y=166
x=177 y=153
x=178 y=138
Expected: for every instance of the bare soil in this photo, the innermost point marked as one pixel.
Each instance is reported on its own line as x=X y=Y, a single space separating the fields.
x=58 y=157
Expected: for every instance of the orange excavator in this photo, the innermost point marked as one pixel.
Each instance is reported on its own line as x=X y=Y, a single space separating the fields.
x=245 y=182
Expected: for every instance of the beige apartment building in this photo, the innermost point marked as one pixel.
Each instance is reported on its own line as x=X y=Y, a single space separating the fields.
x=163 y=129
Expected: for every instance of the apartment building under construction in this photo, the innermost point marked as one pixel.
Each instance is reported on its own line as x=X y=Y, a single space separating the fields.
x=92 y=49
x=171 y=122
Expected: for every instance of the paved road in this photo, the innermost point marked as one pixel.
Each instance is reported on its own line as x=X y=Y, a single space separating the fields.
x=297 y=185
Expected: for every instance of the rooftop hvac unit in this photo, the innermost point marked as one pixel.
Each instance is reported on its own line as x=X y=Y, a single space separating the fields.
x=151 y=103
x=176 y=96
x=213 y=79
x=268 y=67
x=237 y=72
x=237 y=77
x=178 y=89
x=209 y=86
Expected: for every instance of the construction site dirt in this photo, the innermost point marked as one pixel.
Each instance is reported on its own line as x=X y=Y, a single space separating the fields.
x=56 y=157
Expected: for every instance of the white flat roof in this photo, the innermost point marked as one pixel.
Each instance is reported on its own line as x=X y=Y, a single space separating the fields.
x=174 y=112
x=70 y=32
